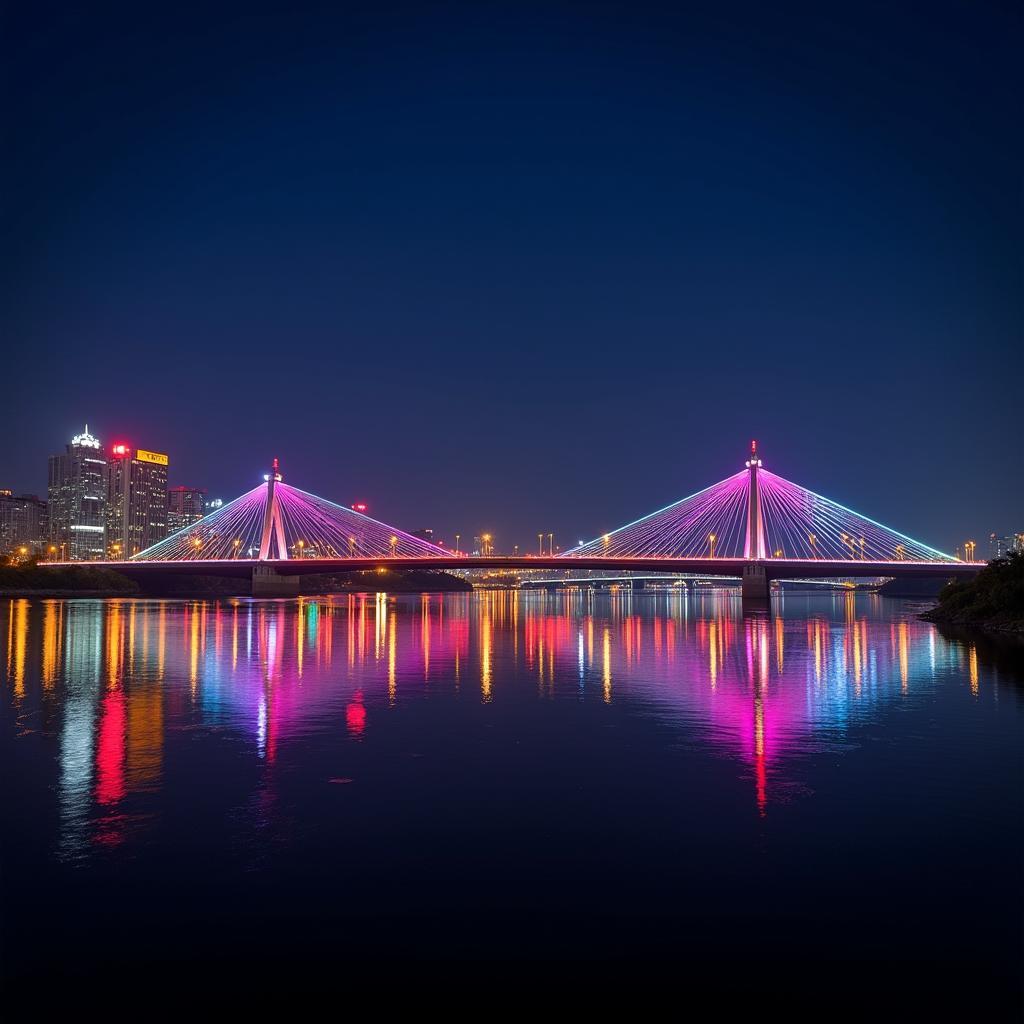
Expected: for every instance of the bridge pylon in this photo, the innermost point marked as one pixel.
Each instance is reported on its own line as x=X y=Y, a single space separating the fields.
x=755 y=583
x=754 y=546
x=756 y=586
x=273 y=525
x=266 y=581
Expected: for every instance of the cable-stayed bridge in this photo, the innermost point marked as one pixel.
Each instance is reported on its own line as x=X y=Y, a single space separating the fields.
x=753 y=525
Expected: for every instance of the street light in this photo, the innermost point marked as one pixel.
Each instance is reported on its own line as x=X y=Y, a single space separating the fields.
x=551 y=543
x=394 y=544
x=457 y=536
x=540 y=543
x=711 y=541
x=814 y=540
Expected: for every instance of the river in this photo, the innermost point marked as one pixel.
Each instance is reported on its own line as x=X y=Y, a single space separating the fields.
x=828 y=791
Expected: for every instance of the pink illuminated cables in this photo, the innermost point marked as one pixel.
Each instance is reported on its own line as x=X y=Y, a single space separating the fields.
x=338 y=532
x=797 y=523
x=233 y=531
x=712 y=520
x=313 y=526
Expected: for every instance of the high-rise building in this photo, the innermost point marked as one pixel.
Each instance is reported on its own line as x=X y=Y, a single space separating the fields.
x=185 y=506
x=77 y=492
x=136 y=500
x=23 y=524
x=999 y=546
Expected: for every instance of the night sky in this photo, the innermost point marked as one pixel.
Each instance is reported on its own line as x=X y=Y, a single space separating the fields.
x=521 y=268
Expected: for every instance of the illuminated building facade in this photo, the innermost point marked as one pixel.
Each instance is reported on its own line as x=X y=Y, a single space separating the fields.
x=185 y=506
x=999 y=546
x=78 y=496
x=136 y=500
x=24 y=526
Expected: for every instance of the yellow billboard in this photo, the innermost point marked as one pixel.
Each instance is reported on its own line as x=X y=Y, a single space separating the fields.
x=143 y=456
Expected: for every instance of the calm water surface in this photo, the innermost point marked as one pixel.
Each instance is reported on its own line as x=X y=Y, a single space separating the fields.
x=829 y=793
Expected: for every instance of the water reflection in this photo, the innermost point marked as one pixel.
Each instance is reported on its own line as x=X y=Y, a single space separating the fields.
x=114 y=678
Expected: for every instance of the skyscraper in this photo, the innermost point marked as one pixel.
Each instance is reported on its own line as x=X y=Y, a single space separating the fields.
x=185 y=506
x=136 y=500
x=999 y=546
x=77 y=493
x=23 y=524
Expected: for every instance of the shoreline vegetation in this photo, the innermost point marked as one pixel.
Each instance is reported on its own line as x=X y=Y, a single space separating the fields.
x=31 y=579
x=992 y=601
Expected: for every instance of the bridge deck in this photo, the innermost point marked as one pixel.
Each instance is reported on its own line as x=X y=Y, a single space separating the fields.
x=775 y=568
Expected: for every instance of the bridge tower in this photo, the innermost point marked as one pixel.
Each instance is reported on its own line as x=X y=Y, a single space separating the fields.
x=266 y=580
x=273 y=526
x=754 y=546
x=756 y=586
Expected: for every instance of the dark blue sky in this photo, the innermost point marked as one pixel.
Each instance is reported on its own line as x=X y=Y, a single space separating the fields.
x=522 y=267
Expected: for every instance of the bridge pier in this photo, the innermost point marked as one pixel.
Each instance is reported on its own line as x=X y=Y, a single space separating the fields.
x=755 y=583
x=268 y=582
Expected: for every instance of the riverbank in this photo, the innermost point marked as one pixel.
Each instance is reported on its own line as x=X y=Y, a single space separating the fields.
x=993 y=601
x=30 y=580
x=6 y=593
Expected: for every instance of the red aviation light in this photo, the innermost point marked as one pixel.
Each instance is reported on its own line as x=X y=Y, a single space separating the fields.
x=120 y=451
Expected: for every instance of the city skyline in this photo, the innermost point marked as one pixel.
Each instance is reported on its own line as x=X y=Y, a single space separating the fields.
x=120 y=497
x=982 y=539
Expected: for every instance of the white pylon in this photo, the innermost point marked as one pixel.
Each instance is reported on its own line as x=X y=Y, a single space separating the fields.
x=273 y=525
x=753 y=547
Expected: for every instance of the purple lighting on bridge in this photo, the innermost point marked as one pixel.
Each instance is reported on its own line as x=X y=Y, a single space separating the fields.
x=752 y=515
x=788 y=521
x=312 y=528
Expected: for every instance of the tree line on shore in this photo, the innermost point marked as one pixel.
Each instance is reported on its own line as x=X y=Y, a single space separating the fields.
x=993 y=599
